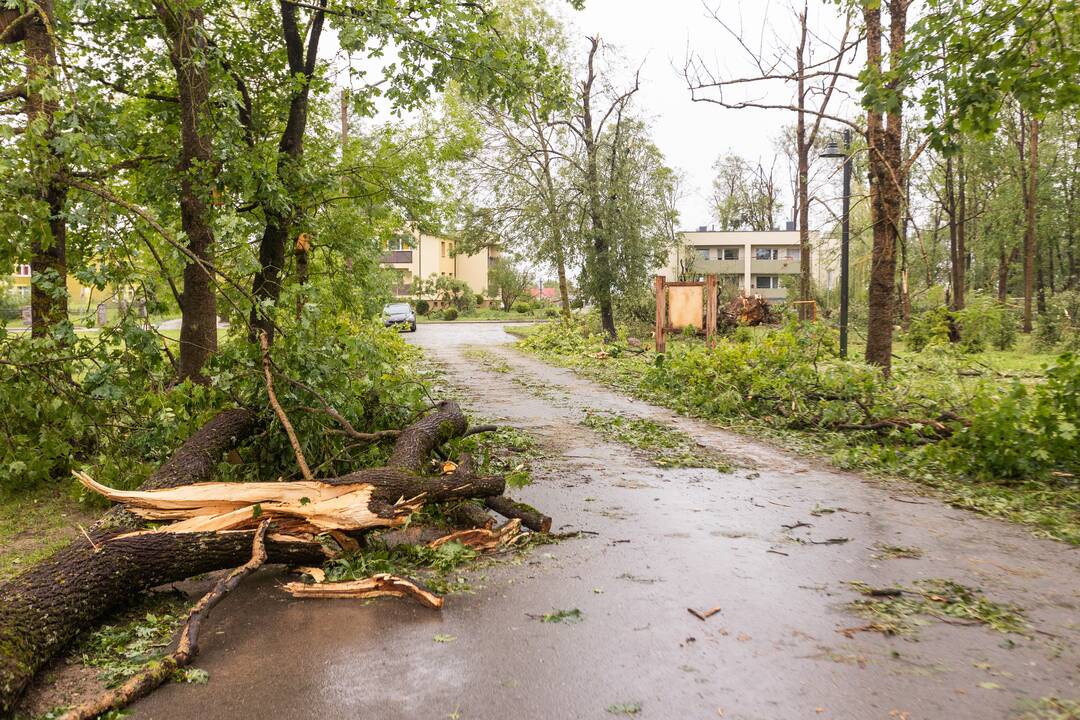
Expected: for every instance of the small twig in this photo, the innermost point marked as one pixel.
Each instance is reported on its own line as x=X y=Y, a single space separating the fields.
x=155 y=673
x=264 y=342
x=909 y=502
x=703 y=615
x=477 y=429
x=346 y=426
x=89 y=539
x=798 y=524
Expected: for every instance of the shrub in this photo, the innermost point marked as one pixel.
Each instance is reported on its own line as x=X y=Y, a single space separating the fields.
x=552 y=312
x=982 y=321
x=450 y=313
x=479 y=299
x=423 y=307
x=928 y=328
x=1016 y=433
x=985 y=321
x=1048 y=332
x=521 y=306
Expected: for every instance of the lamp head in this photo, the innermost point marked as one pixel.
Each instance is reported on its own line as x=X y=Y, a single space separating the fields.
x=832 y=150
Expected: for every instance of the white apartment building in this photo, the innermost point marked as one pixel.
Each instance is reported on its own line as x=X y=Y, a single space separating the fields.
x=755 y=261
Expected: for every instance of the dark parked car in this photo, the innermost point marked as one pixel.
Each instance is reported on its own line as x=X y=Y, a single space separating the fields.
x=399 y=314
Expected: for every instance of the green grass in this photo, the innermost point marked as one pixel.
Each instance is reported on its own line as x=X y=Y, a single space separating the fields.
x=491 y=314
x=1051 y=507
x=665 y=446
x=35 y=525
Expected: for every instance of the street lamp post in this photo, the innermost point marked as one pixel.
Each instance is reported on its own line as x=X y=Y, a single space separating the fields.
x=834 y=151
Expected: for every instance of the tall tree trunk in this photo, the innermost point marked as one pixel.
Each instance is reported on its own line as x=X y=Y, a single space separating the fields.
x=960 y=281
x=1003 y=273
x=185 y=36
x=803 y=151
x=48 y=238
x=280 y=222
x=601 y=260
x=1030 y=194
x=950 y=210
x=564 y=285
x=884 y=138
x=554 y=219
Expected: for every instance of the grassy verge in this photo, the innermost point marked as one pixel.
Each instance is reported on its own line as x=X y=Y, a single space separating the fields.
x=35 y=525
x=492 y=314
x=1048 y=502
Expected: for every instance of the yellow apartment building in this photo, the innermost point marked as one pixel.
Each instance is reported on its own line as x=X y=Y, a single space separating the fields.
x=419 y=256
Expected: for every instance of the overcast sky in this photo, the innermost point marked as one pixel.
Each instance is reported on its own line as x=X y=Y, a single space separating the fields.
x=693 y=134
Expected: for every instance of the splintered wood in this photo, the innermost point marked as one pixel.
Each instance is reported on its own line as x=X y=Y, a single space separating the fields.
x=299 y=509
x=380 y=585
x=483 y=539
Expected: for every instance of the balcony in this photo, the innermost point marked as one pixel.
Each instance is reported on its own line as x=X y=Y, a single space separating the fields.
x=397 y=257
x=782 y=266
x=771 y=294
x=719 y=267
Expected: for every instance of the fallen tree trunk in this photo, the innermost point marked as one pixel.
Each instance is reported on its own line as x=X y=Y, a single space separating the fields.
x=187 y=645
x=47 y=605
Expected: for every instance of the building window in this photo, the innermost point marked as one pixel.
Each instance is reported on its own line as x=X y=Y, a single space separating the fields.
x=793 y=254
x=731 y=279
x=731 y=253
x=22 y=271
x=703 y=253
x=766 y=282
x=399 y=242
x=766 y=254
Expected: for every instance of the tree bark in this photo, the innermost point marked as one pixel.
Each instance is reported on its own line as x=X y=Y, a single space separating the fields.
x=884 y=137
x=185 y=36
x=280 y=222
x=529 y=516
x=1031 y=185
x=48 y=239
x=803 y=151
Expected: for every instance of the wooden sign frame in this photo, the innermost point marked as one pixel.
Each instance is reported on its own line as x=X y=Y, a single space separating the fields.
x=662 y=324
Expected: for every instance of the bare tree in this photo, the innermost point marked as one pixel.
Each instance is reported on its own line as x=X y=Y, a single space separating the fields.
x=588 y=125
x=815 y=84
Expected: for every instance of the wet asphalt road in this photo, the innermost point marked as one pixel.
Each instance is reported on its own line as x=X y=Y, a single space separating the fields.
x=664 y=540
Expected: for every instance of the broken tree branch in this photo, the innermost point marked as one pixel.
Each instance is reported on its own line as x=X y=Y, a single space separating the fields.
x=187 y=645
x=529 y=516
x=48 y=604
x=264 y=343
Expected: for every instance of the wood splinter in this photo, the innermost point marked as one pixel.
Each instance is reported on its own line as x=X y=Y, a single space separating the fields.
x=482 y=539
x=703 y=615
x=382 y=584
